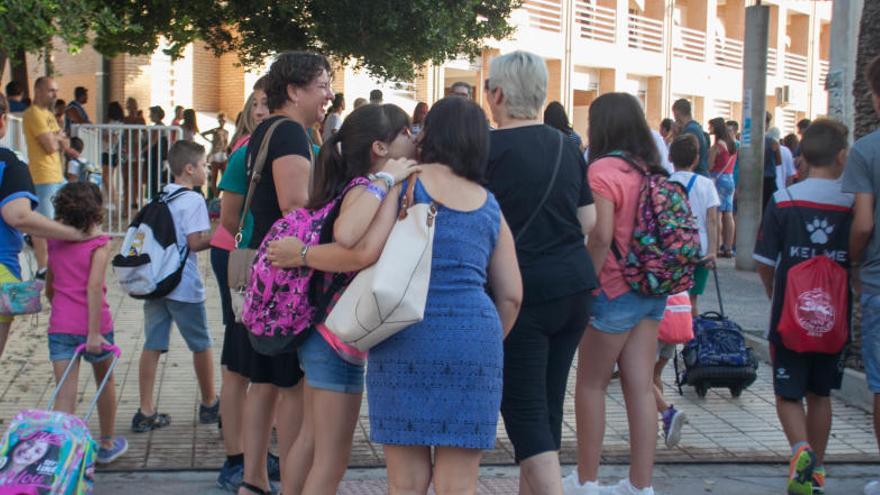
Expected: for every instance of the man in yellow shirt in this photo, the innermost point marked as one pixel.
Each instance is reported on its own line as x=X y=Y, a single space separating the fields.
x=45 y=142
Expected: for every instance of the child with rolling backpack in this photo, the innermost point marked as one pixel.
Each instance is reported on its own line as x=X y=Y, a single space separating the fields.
x=717 y=357
x=52 y=451
x=803 y=260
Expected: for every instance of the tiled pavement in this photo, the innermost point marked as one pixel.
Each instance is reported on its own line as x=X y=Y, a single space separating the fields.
x=720 y=429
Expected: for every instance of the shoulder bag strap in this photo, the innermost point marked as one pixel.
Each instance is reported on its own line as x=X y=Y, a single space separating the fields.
x=546 y=193
x=409 y=196
x=256 y=174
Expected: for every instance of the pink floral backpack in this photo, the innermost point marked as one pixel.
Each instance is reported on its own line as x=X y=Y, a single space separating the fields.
x=665 y=246
x=277 y=307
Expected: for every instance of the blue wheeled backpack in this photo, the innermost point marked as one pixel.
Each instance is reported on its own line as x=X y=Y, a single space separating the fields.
x=717 y=357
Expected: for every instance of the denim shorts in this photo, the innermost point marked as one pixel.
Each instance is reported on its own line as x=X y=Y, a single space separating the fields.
x=63 y=345
x=871 y=339
x=623 y=313
x=45 y=194
x=325 y=370
x=725 y=187
x=190 y=318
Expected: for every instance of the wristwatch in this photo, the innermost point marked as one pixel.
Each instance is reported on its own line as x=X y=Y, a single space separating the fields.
x=384 y=176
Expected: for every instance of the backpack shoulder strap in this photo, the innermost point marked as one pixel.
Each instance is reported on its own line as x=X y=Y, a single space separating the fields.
x=691 y=183
x=167 y=198
x=256 y=169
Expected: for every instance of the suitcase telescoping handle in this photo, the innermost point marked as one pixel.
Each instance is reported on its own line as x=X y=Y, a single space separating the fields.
x=718 y=290
x=76 y=355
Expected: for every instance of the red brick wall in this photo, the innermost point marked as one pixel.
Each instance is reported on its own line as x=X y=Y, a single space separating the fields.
x=206 y=79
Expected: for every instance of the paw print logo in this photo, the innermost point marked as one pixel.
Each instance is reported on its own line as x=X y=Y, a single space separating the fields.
x=819 y=230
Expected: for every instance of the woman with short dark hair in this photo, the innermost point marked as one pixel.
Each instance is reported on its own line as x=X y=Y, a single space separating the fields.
x=436 y=385
x=297 y=90
x=540 y=179
x=555 y=117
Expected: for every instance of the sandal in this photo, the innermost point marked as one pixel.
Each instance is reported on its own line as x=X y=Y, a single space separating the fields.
x=254 y=489
x=141 y=423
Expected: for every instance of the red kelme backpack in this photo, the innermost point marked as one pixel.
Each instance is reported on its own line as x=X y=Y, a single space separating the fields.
x=815 y=311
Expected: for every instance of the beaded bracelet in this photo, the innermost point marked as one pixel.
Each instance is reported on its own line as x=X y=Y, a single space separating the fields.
x=377 y=191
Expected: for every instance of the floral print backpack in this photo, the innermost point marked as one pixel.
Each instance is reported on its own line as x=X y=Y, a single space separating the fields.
x=665 y=246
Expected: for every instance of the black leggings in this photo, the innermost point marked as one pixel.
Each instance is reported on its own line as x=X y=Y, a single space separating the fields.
x=537 y=358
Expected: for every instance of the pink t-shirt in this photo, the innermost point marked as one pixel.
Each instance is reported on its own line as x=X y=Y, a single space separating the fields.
x=615 y=180
x=70 y=263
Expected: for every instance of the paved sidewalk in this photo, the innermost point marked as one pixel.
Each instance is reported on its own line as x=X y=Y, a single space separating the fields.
x=693 y=479
x=721 y=429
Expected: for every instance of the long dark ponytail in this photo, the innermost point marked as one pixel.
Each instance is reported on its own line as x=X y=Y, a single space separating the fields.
x=348 y=153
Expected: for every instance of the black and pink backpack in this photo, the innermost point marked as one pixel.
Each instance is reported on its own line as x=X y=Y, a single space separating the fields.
x=277 y=305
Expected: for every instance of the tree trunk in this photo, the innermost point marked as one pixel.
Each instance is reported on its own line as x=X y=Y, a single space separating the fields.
x=18 y=64
x=866 y=119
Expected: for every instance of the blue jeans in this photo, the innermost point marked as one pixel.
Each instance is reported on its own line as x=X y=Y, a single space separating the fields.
x=45 y=194
x=725 y=187
x=871 y=339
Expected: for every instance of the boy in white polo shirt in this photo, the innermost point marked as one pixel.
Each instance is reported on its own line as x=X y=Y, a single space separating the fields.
x=185 y=305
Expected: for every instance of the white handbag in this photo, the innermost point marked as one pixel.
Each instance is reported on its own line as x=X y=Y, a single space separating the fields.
x=389 y=296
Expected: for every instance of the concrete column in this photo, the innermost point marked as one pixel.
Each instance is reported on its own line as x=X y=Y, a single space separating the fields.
x=751 y=177
x=623 y=23
x=568 y=23
x=666 y=91
x=711 y=23
x=845 y=18
x=812 y=56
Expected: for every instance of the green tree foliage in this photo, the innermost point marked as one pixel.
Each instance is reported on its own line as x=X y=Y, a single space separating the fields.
x=389 y=38
x=32 y=25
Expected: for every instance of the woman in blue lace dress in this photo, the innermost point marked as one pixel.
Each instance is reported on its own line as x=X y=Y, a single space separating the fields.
x=438 y=383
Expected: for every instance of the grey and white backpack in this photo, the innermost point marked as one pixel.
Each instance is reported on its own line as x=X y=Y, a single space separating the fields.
x=150 y=263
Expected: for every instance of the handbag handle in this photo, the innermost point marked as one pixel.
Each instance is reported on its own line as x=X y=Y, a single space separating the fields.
x=256 y=174
x=546 y=193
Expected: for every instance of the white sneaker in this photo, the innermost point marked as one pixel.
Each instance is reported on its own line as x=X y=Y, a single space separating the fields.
x=872 y=488
x=624 y=487
x=572 y=486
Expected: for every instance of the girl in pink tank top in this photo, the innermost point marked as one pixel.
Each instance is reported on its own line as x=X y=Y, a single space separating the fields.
x=75 y=285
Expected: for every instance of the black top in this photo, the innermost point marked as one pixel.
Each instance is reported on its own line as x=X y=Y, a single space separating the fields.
x=289 y=138
x=552 y=257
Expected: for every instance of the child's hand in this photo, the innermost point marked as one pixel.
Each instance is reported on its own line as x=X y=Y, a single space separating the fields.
x=708 y=261
x=95 y=231
x=401 y=168
x=284 y=253
x=94 y=344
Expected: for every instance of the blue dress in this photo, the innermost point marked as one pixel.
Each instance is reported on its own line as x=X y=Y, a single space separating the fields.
x=439 y=382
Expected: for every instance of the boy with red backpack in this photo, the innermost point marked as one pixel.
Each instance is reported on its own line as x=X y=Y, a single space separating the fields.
x=803 y=257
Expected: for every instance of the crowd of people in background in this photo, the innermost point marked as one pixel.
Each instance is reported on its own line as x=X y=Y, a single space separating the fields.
x=533 y=225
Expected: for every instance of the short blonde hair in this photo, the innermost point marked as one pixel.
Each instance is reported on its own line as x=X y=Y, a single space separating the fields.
x=522 y=76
